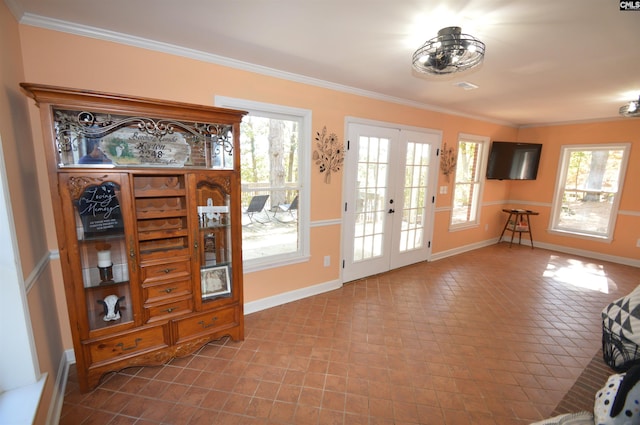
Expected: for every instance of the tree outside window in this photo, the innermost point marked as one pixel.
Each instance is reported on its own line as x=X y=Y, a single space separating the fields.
x=588 y=189
x=468 y=182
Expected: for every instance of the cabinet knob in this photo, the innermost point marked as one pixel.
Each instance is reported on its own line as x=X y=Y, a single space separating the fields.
x=169 y=290
x=168 y=270
x=170 y=309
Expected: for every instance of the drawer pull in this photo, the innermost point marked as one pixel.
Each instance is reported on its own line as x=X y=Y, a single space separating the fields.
x=168 y=270
x=168 y=290
x=131 y=347
x=170 y=309
x=208 y=325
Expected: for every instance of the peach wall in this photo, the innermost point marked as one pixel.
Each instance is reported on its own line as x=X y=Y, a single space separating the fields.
x=67 y=60
x=539 y=194
x=158 y=75
x=22 y=178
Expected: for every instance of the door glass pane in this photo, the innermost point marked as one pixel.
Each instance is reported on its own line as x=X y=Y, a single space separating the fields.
x=100 y=230
x=415 y=189
x=373 y=158
x=214 y=244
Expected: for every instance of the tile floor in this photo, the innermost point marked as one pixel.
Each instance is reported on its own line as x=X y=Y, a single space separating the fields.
x=493 y=336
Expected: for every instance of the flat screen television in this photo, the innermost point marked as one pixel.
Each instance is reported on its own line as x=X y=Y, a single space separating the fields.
x=513 y=161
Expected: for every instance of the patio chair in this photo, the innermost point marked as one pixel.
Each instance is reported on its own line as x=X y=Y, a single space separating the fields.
x=288 y=208
x=256 y=206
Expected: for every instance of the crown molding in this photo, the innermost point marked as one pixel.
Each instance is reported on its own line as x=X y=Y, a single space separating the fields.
x=144 y=43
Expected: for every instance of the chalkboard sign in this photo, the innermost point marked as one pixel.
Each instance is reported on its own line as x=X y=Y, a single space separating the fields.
x=99 y=210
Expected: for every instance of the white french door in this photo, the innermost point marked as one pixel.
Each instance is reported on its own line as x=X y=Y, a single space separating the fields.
x=390 y=182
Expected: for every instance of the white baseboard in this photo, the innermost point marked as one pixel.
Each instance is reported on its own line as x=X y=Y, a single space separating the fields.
x=589 y=254
x=462 y=249
x=57 y=399
x=287 y=297
x=559 y=248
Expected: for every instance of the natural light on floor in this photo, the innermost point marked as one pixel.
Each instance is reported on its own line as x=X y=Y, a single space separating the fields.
x=578 y=273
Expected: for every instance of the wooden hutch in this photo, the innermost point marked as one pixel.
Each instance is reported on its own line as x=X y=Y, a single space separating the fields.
x=146 y=198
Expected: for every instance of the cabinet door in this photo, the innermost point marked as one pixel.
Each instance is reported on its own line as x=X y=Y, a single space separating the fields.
x=98 y=273
x=215 y=253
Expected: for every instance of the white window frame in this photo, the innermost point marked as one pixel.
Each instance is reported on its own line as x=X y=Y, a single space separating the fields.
x=483 y=141
x=556 y=207
x=304 y=170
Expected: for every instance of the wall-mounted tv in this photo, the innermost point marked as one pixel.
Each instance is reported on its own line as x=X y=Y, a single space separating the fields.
x=513 y=161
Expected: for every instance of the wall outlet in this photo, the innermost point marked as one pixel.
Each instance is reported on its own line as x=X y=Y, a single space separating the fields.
x=638 y=243
x=327 y=260
x=486 y=227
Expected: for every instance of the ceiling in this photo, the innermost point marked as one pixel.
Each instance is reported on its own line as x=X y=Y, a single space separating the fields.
x=547 y=61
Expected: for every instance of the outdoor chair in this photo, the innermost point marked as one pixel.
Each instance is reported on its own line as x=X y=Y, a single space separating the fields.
x=256 y=206
x=287 y=208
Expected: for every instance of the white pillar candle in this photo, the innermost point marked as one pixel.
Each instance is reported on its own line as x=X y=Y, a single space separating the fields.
x=104 y=258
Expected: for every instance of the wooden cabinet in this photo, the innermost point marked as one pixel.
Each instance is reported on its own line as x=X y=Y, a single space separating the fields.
x=146 y=198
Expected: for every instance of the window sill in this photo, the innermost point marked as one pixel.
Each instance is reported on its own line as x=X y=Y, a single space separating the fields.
x=257 y=265
x=465 y=226
x=578 y=235
x=19 y=406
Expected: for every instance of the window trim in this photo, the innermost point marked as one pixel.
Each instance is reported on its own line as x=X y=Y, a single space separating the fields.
x=304 y=162
x=556 y=206
x=484 y=142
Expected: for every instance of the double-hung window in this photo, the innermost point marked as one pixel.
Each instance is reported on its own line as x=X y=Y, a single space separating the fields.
x=275 y=175
x=467 y=189
x=588 y=189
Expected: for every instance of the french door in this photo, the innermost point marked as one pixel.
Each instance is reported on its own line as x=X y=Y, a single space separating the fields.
x=390 y=182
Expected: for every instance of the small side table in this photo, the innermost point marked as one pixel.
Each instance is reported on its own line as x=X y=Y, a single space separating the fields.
x=518 y=222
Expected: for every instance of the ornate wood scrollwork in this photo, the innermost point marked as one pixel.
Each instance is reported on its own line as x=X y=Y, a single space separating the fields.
x=77 y=185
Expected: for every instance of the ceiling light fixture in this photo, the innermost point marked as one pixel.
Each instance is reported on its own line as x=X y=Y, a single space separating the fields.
x=449 y=52
x=631 y=109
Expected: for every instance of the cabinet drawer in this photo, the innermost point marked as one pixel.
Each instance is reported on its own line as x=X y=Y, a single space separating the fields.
x=170 y=308
x=205 y=323
x=127 y=345
x=166 y=270
x=161 y=291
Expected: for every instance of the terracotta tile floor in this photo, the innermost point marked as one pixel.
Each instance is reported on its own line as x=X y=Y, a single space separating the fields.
x=493 y=336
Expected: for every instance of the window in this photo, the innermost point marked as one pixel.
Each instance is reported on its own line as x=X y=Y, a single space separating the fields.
x=468 y=184
x=588 y=189
x=274 y=156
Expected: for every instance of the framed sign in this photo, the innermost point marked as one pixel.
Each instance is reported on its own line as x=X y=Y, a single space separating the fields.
x=215 y=281
x=99 y=210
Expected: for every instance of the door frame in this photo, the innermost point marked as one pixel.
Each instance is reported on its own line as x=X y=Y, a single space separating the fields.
x=432 y=185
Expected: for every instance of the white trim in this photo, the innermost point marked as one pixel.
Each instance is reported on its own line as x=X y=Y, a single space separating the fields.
x=462 y=249
x=57 y=399
x=589 y=254
x=551 y=247
x=102 y=34
x=38 y=269
x=20 y=405
x=483 y=142
x=558 y=191
x=287 y=297
x=323 y=223
x=305 y=117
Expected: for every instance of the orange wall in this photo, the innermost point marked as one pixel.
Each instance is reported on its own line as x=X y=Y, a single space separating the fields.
x=22 y=179
x=67 y=60
x=538 y=195
x=49 y=57
x=57 y=58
